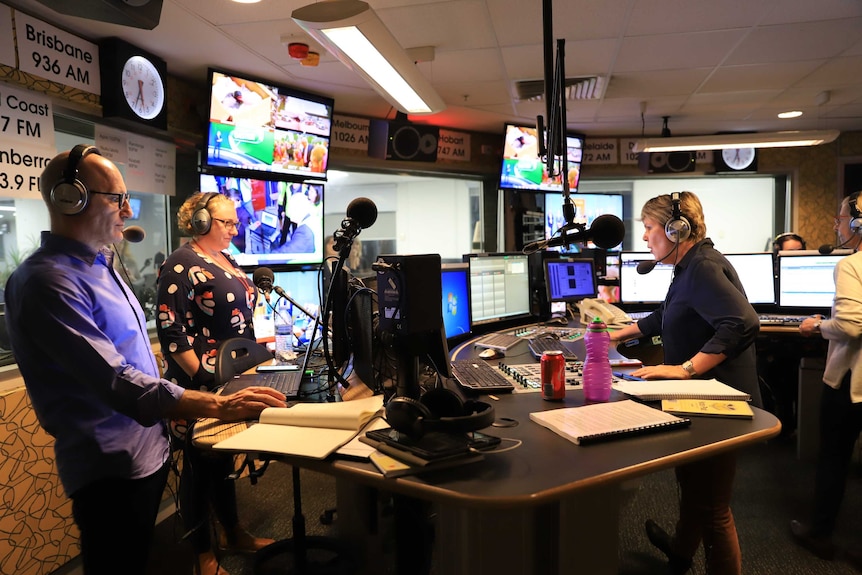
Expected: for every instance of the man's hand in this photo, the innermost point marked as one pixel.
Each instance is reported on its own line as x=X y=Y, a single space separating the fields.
x=248 y=403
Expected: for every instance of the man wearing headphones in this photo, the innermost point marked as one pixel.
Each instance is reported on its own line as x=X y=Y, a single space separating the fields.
x=841 y=399
x=79 y=336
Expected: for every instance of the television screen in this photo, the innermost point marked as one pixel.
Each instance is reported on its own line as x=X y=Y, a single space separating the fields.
x=261 y=126
x=279 y=222
x=499 y=287
x=523 y=169
x=570 y=280
x=304 y=286
x=587 y=208
x=135 y=204
x=454 y=280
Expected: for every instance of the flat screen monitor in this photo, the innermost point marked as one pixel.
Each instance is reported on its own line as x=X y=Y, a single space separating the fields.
x=523 y=169
x=499 y=287
x=262 y=126
x=805 y=280
x=637 y=289
x=279 y=222
x=304 y=287
x=454 y=279
x=757 y=274
x=587 y=208
x=135 y=204
x=570 y=280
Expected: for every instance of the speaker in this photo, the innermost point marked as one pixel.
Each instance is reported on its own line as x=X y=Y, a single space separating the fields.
x=443 y=409
x=667 y=162
x=134 y=13
x=70 y=196
x=202 y=220
x=389 y=140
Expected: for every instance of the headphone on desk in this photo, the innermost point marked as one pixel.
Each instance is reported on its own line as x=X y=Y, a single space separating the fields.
x=70 y=196
x=677 y=228
x=443 y=408
x=202 y=220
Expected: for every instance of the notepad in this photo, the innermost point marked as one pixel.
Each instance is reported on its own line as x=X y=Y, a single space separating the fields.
x=658 y=389
x=307 y=429
x=708 y=407
x=606 y=421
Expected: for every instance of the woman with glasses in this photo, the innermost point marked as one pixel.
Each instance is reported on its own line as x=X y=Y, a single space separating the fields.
x=204 y=298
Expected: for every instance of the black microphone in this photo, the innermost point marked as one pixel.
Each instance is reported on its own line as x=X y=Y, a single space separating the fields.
x=134 y=234
x=606 y=232
x=361 y=214
x=647 y=266
x=263 y=278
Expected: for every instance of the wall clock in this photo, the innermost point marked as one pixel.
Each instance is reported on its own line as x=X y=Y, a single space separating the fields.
x=736 y=160
x=133 y=84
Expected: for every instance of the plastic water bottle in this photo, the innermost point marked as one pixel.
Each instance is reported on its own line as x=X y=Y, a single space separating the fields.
x=597 y=367
x=283 y=321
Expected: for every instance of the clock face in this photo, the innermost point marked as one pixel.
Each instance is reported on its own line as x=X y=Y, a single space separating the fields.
x=143 y=87
x=738 y=158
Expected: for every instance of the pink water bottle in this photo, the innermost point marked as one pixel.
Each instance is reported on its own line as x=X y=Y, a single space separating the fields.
x=597 y=367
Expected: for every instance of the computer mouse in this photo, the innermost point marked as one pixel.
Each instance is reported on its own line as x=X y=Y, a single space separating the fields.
x=490 y=353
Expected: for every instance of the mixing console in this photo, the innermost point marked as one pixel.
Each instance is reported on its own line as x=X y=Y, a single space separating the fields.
x=527 y=376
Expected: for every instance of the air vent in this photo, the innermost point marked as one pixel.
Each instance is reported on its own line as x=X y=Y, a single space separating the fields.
x=581 y=88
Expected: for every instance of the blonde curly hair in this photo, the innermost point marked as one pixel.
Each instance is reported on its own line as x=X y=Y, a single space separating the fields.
x=193 y=203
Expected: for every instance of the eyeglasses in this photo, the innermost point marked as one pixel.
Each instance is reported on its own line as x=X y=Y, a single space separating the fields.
x=228 y=224
x=116 y=197
x=837 y=219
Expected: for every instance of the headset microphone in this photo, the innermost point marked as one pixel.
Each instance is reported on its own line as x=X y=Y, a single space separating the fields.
x=647 y=266
x=827 y=249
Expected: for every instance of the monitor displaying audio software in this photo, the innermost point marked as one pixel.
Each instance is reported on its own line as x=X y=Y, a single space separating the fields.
x=756 y=272
x=454 y=279
x=570 y=280
x=806 y=282
x=638 y=289
x=499 y=287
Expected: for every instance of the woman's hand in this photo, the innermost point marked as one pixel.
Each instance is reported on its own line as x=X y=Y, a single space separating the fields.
x=661 y=372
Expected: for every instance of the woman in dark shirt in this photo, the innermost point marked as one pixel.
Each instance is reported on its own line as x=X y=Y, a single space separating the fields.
x=708 y=329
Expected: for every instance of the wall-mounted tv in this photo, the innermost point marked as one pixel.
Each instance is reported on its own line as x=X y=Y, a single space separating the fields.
x=587 y=208
x=523 y=168
x=279 y=222
x=264 y=127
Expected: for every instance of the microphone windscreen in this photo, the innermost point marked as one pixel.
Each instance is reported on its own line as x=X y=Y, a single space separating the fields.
x=134 y=234
x=263 y=277
x=607 y=231
x=825 y=249
x=646 y=266
x=363 y=211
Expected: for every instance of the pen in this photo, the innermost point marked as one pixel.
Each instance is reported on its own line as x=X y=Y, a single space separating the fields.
x=627 y=376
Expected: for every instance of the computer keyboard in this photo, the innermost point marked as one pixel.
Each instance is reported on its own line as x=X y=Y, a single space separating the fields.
x=480 y=377
x=539 y=345
x=786 y=320
x=499 y=341
x=287 y=382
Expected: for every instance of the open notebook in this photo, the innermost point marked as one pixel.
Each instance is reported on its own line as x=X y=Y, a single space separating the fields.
x=658 y=389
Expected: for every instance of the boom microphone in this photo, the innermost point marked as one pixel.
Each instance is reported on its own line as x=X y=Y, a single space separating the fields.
x=263 y=278
x=361 y=214
x=134 y=234
x=606 y=232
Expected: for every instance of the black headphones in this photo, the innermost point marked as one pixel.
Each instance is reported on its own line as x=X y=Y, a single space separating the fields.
x=202 y=220
x=855 y=215
x=677 y=229
x=70 y=196
x=780 y=239
x=443 y=408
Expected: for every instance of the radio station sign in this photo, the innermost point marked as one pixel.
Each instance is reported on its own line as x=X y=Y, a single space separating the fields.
x=601 y=152
x=350 y=133
x=453 y=146
x=26 y=141
x=48 y=52
x=21 y=163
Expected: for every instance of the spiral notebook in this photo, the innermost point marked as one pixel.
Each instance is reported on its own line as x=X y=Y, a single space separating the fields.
x=658 y=389
x=606 y=421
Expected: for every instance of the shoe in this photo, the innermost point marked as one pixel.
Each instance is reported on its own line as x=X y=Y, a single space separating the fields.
x=661 y=540
x=820 y=545
x=242 y=541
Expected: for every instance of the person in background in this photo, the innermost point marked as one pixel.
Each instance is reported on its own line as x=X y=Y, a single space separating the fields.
x=204 y=298
x=708 y=329
x=786 y=242
x=841 y=399
x=79 y=337
x=301 y=240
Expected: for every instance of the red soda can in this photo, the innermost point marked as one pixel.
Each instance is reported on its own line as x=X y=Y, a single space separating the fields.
x=553 y=366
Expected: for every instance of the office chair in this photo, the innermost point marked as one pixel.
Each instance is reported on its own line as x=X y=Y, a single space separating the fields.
x=233 y=357
x=649 y=351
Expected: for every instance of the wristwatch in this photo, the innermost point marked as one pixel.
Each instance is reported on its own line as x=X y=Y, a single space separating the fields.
x=689 y=368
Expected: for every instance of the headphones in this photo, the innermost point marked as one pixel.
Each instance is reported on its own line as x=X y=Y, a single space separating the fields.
x=202 y=220
x=70 y=196
x=440 y=409
x=855 y=215
x=677 y=229
x=780 y=238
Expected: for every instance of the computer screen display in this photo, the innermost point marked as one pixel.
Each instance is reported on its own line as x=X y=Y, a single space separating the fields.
x=499 y=287
x=570 y=280
x=805 y=282
x=648 y=288
x=454 y=279
x=757 y=274
x=304 y=287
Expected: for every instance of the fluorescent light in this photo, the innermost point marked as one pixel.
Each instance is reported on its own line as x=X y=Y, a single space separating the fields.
x=790 y=114
x=355 y=35
x=726 y=141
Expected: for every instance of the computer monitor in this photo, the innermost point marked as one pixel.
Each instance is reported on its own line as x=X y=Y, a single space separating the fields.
x=756 y=272
x=637 y=289
x=499 y=288
x=805 y=280
x=570 y=280
x=455 y=282
x=304 y=287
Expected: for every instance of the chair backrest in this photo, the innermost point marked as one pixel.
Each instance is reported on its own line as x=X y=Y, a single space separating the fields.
x=648 y=350
x=236 y=355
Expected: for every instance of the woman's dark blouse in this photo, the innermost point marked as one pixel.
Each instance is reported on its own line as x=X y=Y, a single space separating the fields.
x=706 y=310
